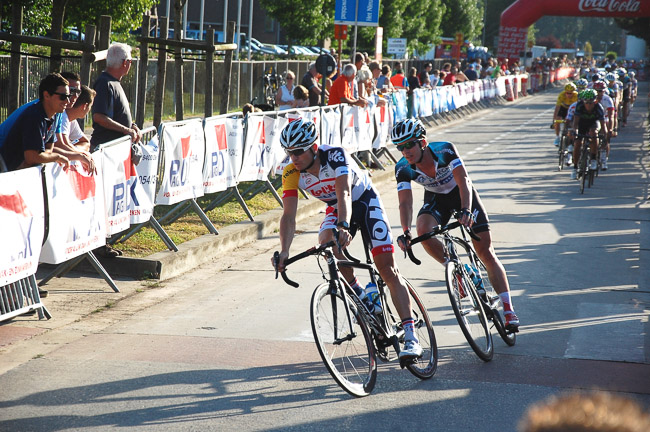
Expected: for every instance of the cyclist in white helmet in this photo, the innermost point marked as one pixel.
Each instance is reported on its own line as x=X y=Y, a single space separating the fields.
x=438 y=167
x=329 y=174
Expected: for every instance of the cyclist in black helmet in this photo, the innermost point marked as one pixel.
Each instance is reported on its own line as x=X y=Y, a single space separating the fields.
x=329 y=174
x=438 y=167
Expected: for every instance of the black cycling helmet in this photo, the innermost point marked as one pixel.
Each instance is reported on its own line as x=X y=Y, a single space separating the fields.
x=299 y=134
x=405 y=130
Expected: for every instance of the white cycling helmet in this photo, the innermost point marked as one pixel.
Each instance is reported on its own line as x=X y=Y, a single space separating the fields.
x=299 y=134
x=405 y=130
x=610 y=77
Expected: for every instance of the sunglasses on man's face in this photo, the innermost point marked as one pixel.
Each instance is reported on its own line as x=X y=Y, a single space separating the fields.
x=63 y=96
x=407 y=145
x=295 y=153
x=75 y=91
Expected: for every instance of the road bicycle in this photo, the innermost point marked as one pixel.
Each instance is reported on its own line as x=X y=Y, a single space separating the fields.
x=349 y=337
x=271 y=83
x=475 y=303
x=586 y=175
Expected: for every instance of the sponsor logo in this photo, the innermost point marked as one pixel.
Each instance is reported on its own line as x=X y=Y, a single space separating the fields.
x=609 y=5
x=336 y=156
x=217 y=165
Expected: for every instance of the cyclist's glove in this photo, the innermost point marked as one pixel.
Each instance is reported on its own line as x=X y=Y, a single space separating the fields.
x=405 y=239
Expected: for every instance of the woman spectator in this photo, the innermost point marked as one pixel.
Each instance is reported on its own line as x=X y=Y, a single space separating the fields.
x=414 y=83
x=383 y=82
x=284 y=98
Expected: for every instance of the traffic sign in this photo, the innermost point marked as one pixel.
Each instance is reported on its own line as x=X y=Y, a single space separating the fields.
x=396 y=46
x=367 y=12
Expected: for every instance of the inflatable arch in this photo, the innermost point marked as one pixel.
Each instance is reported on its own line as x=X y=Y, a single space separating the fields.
x=521 y=14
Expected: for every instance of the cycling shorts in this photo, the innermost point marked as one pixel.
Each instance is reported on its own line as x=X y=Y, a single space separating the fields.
x=368 y=215
x=562 y=112
x=626 y=95
x=443 y=206
x=584 y=129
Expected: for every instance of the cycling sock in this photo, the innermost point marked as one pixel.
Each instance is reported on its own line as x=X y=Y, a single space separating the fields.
x=409 y=330
x=356 y=287
x=507 y=301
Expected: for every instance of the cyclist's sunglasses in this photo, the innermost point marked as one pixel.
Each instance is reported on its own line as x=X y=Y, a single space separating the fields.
x=407 y=145
x=296 y=153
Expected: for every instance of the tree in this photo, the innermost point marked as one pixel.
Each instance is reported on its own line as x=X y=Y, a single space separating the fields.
x=639 y=27
x=125 y=15
x=37 y=16
x=307 y=21
x=462 y=16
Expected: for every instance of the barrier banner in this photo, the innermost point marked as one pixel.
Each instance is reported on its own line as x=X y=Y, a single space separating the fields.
x=331 y=127
x=365 y=130
x=255 y=164
x=437 y=100
x=426 y=108
x=76 y=212
x=399 y=103
x=384 y=122
x=183 y=149
x=22 y=218
x=118 y=178
x=276 y=154
x=224 y=145
x=349 y=129
x=143 y=189
x=501 y=86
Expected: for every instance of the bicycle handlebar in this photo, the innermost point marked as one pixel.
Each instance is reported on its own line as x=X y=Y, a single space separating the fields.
x=434 y=232
x=315 y=250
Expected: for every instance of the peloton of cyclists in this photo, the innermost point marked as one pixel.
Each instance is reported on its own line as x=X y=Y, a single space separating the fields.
x=608 y=105
x=588 y=120
x=568 y=96
x=438 y=167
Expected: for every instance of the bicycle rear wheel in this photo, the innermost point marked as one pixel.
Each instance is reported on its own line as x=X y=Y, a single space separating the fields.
x=492 y=298
x=348 y=353
x=426 y=366
x=582 y=169
x=562 y=152
x=469 y=312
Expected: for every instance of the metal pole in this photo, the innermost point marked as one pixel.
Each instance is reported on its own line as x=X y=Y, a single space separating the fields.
x=250 y=35
x=225 y=22
x=238 y=35
x=201 y=24
x=356 y=27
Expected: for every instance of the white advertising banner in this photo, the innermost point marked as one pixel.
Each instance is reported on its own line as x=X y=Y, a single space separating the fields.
x=331 y=127
x=143 y=189
x=22 y=223
x=349 y=129
x=183 y=147
x=366 y=127
x=223 y=152
x=276 y=154
x=256 y=159
x=76 y=209
x=384 y=122
x=118 y=176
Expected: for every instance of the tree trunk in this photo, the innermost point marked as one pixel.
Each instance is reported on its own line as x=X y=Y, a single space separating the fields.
x=58 y=13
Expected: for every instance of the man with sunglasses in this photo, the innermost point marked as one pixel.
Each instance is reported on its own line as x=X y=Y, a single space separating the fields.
x=588 y=120
x=111 y=112
x=26 y=137
x=438 y=167
x=329 y=174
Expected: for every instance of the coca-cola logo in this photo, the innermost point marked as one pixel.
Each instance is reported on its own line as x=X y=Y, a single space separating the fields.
x=609 y=5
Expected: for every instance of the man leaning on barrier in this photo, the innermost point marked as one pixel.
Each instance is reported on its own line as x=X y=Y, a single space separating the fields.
x=111 y=112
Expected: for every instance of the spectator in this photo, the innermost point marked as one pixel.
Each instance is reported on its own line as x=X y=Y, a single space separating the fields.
x=359 y=63
x=585 y=412
x=413 y=83
x=249 y=108
x=425 y=79
x=111 y=112
x=375 y=69
x=470 y=73
x=342 y=89
x=70 y=139
x=451 y=77
x=398 y=80
x=301 y=96
x=383 y=82
x=396 y=66
x=27 y=136
x=284 y=99
x=310 y=82
x=434 y=76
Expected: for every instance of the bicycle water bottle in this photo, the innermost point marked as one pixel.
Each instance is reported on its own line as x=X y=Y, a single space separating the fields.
x=476 y=278
x=372 y=298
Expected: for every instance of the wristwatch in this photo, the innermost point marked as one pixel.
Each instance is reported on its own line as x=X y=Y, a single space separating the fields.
x=344 y=225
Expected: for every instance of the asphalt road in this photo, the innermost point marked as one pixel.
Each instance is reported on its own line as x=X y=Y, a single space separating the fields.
x=227 y=347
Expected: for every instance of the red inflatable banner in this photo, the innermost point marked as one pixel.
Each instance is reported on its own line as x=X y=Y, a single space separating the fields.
x=521 y=14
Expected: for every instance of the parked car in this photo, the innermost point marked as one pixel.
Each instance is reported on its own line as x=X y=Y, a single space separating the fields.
x=276 y=49
x=319 y=50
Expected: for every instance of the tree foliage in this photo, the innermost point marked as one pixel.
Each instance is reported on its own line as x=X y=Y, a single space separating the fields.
x=639 y=27
x=464 y=16
x=307 y=21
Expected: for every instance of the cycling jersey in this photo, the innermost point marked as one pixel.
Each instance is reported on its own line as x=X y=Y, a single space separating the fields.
x=565 y=99
x=588 y=119
x=607 y=102
x=570 y=112
x=367 y=209
x=334 y=162
x=445 y=158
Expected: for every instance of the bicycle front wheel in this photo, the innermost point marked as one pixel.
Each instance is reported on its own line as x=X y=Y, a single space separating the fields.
x=469 y=311
x=348 y=352
x=426 y=366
